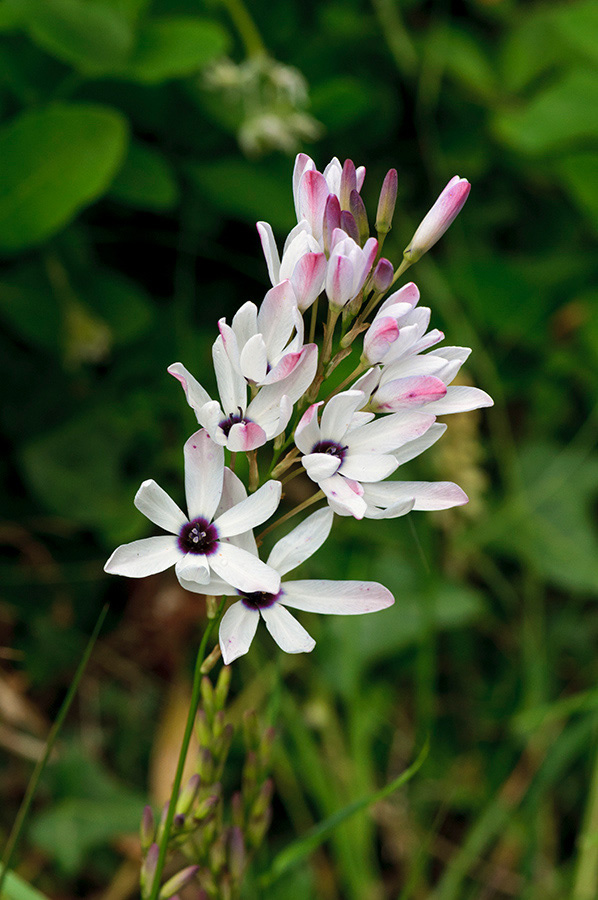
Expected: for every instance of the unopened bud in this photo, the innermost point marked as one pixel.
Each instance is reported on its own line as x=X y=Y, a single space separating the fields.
x=348 y=183
x=332 y=220
x=387 y=202
x=206 y=807
x=162 y=823
x=257 y=828
x=222 y=686
x=237 y=809
x=266 y=744
x=382 y=276
x=251 y=729
x=207 y=696
x=250 y=775
x=446 y=209
x=263 y=799
x=211 y=660
x=205 y=765
x=236 y=854
x=218 y=854
x=177 y=882
x=358 y=211
x=147 y=829
x=202 y=729
x=188 y=795
x=222 y=746
x=349 y=225
x=148 y=869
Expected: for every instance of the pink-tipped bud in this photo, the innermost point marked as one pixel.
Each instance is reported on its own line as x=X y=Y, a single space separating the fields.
x=387 y=202
x=177 y=882
x=383 y=275
x=349 y=225
x=222 y=686
x=237 y=857
x=358 y=211
x=348 y=183
x=447 y=207
x=148 y=869
x=147 y=829
x=332 y=219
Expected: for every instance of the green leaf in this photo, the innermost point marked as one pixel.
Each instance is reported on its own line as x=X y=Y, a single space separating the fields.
x=84 y=33
x=249 y=193
x=557 y=117
x=576 y=24
x=16 y=888
x=174 y=47
x=54 y=162
x=579 y=176
x=303 y=846
x=146 y=180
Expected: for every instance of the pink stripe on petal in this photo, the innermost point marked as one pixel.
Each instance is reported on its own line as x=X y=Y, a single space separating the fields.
x=308 y=278
x=313 y=193
x=245 y=436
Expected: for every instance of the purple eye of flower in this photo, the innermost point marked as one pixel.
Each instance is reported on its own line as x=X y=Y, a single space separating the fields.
x=259 y=599
x=198 y=536
x=331 y=448
x=233 y=419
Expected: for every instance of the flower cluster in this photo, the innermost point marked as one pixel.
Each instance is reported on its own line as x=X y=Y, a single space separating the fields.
x=273 y=386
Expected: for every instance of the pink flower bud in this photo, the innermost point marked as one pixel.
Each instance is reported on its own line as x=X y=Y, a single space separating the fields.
x=349 y=225
x=358 y=211
x=178 y=882
x=387 y=202
x=332 y=219
x=447 y=207
x=383 y=275
x=348 y=183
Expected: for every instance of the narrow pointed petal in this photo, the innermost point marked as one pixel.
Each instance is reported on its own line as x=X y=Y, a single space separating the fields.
x=204 y=469
x=339 y=280
x=383 y=332
x=286 y=630
x=237 y=630
x=394 y=511
x=320 y=465
x=409 y=392
x=195 y=394
x=234 y=492
x=284 y=367
x=369 y=466
x=210 y=416
x=338 y=413
x=409 y=293
x=244 y=323
x=275 y=317
x=145 y=557
x=411 y=449
x=345 y=493
x=344 y=598
x=389 y=433
x=332 y=174
x=231 y=384
x=460 y=398
x=307 y=432
x=427 y=495
x=243 y=570
x=303 y=163
x=313 y=192
x=270 y=251
x=193 y=567
x=302 y=542
x=157 y=506
x=250 y=512
x=254 y=359
x=215 y=587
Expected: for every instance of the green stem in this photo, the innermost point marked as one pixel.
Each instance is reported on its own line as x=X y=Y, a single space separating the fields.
x=176 y=785
x=254 y=46
x=19 y=822
x=314 y=319
x=586 y=875
x=310 y=500
x=401 y=270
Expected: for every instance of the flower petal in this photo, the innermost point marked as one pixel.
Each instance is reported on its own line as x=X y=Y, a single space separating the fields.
x=270 y=250
x=313 y=192
x=307 y=432
x=231 y=384
x=145 y=557
x=426 y=494
x=245 y=436
x=286 y=630
x=254 y=359
x=389 y=432
x=302 y=542
x=237 y=630
x=275 y=317
x=411 y=449
x=243 y=570
x=337 y=414
x=204 y=468
x=460 y=398
x=250 y=512
x=215 y=587
x=195 y=394
x=157 y=506
x=244 y=323
x=308 y=279
x=368 y=466
x=409 y=392
x=346 y=494
x=345 y=598
x=193 y=567
x=320 y=465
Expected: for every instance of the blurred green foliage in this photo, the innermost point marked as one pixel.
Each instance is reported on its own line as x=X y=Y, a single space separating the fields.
x=126 y=231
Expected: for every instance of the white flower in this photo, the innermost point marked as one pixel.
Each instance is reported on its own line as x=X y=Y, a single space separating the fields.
x=303 y=262
x=347 y=449
x=198 y=545
x=311 y=188
x=239 y=623
x=234 y=423
x=406 y=379
x=348 y=267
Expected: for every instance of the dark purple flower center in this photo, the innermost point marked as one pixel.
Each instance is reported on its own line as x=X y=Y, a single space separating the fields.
x=233 y=419
x=331 y=448
x=198 y=536
x=259 y=599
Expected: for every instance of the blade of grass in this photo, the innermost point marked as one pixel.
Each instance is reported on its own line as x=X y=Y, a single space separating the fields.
x=19 y=822
x=299 y=849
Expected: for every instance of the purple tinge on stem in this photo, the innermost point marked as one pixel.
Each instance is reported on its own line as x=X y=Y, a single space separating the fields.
x=447 y=207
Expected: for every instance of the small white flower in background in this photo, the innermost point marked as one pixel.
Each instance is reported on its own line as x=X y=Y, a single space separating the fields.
x=235 y=423
x=198 y=545
x=444 y=212
x=239 y=623
x=347 y=449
